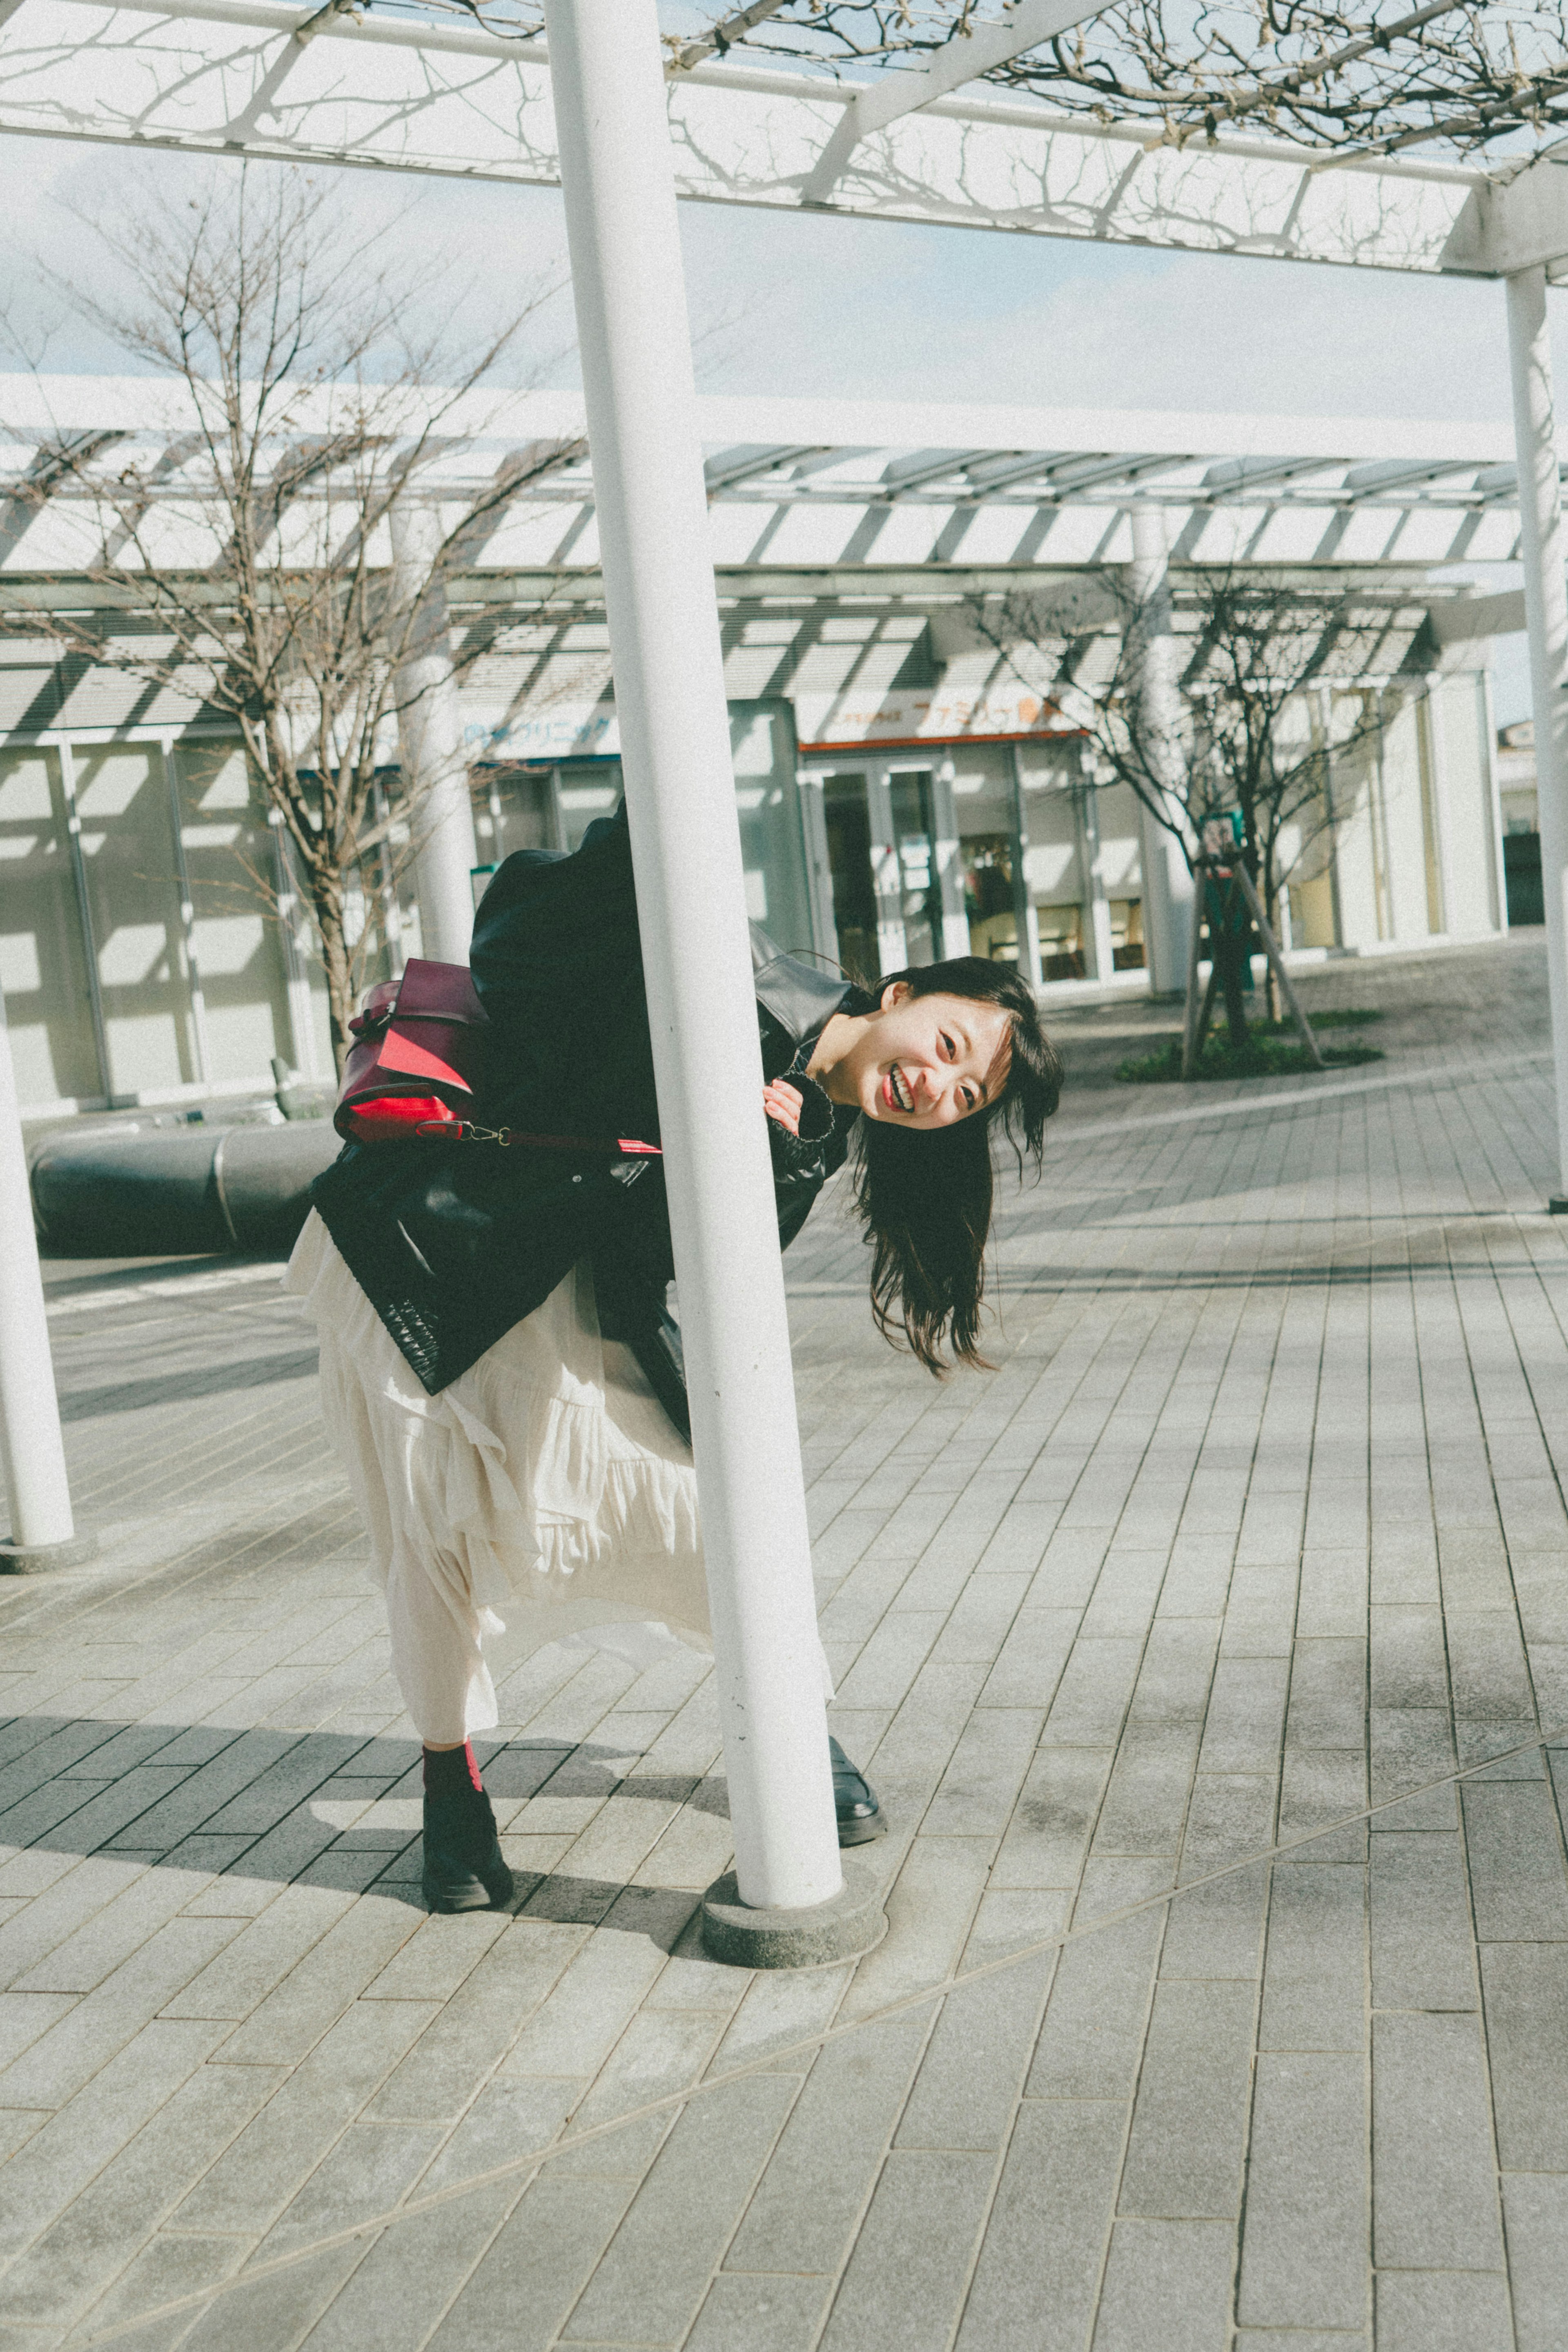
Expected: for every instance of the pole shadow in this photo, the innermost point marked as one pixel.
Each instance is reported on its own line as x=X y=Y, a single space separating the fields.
x=315 y=1809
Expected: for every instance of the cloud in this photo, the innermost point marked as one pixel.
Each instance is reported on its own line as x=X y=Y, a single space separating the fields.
x=860 y=309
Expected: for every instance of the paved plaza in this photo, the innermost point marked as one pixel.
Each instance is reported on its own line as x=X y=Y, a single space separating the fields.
x=1211 y=1657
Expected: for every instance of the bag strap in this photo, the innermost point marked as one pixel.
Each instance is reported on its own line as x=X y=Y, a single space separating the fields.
x=370 y=1025
x=465 y=1130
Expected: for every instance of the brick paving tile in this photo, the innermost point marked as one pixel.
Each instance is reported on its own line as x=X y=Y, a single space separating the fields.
x=1259 y=1522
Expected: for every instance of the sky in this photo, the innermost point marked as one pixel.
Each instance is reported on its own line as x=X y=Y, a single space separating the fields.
x=803 y=304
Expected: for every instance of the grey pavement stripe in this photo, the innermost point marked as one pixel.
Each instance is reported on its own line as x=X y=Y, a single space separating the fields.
x=177 y=1286
x=1307 y=1096
x=777 y=2055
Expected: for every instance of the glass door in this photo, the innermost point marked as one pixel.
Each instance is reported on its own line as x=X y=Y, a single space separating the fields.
x=915 y=847
x=848 y=821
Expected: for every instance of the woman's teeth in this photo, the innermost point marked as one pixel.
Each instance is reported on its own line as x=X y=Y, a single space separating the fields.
x=902 y=1093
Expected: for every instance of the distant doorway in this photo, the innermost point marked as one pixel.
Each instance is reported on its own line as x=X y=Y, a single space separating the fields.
x=1521 y=875
x=848 y=823
x=914 y=846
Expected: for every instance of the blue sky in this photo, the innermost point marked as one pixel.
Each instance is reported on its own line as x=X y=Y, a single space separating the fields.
x=812 y=305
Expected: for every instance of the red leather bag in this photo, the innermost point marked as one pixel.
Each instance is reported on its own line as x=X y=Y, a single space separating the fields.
x=415 y=1066
x=417 y=1062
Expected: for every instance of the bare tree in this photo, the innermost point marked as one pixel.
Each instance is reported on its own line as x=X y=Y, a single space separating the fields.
x=253 y=545
x=1368 y=81
x=1250 y=745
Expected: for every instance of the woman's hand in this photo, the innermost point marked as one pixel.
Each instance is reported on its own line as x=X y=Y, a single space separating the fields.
x=784 y=1103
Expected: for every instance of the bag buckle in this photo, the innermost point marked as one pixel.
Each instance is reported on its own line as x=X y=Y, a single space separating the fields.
x=461 y=1130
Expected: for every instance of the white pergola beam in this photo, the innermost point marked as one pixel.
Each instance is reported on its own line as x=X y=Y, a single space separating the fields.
x=39 y=407
x=1513 y=224
x=456 y=101
x=963 y=60
x=986 y=46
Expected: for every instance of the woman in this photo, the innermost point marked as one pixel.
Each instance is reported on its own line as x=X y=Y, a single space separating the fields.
x=498 y=1368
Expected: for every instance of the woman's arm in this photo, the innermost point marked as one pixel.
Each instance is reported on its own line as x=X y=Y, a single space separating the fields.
x=806 y=1146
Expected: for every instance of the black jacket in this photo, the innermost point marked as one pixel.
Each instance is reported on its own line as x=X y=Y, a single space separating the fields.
x=453 y=1244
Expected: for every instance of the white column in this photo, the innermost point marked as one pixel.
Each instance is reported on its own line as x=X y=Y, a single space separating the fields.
x=201 y=1055
x=1544 y=551
x=31 y=1452
x=1488 y=724
x=617 y=179
x=430 y=736
x=1167 y=882
x=1102 y=953
x=296 y=976
x=1437 y=784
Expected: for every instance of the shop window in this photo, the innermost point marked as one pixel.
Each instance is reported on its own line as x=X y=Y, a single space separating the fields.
x=988 y=860
x=1127 y=934
x=587 y=789
x=512 y=810
x=1060 y=942
x=1311 y=912
x=1522 y=877
x=772 y=848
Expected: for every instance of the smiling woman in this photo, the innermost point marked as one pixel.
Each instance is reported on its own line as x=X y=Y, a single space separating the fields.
x=498 y=1367
x=953 y=1050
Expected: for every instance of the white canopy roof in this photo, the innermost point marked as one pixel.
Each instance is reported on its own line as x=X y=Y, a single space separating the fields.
x=850 y=486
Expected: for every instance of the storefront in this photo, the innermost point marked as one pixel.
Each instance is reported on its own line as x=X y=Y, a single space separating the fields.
x=154 y=949
x=991 y=841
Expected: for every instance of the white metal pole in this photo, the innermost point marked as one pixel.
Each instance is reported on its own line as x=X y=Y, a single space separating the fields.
x=1544 y=551
x=430 y=736
x=1167 y=883
x=32 y=1454
x=1097 y=908
x=617 y=179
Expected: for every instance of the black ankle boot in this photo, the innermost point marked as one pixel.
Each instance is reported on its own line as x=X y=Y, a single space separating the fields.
x=463 y=1866
x=855 y=1800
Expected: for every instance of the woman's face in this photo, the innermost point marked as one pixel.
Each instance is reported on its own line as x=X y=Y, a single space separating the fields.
x=926 y=1061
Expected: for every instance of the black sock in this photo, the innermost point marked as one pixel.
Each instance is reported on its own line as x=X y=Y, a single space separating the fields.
x=448 y=1772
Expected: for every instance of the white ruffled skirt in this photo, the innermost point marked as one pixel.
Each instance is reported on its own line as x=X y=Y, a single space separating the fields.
x=543 y=1495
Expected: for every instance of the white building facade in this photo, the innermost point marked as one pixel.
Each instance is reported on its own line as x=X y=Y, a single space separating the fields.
x=903 y=793
x=152 y=950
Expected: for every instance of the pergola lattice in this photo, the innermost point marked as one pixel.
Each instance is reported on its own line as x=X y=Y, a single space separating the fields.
x=313 y=84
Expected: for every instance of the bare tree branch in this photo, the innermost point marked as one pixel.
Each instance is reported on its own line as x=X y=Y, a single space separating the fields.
x=253 y=554
x=1253 y=747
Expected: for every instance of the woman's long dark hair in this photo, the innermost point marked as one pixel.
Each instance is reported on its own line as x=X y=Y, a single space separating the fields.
x=925 y=1195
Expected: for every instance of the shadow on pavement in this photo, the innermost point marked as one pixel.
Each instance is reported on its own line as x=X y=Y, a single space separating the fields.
x=317 y=1809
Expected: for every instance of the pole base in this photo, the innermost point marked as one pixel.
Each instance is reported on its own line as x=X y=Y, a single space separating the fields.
x=848 y=1924
x=1558 y=1205
x=34 y=1559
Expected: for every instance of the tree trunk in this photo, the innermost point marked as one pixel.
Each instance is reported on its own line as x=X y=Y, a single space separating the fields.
x=1235 y=986
x=327 y=897
x=1228 y=943
x=1270 y=894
